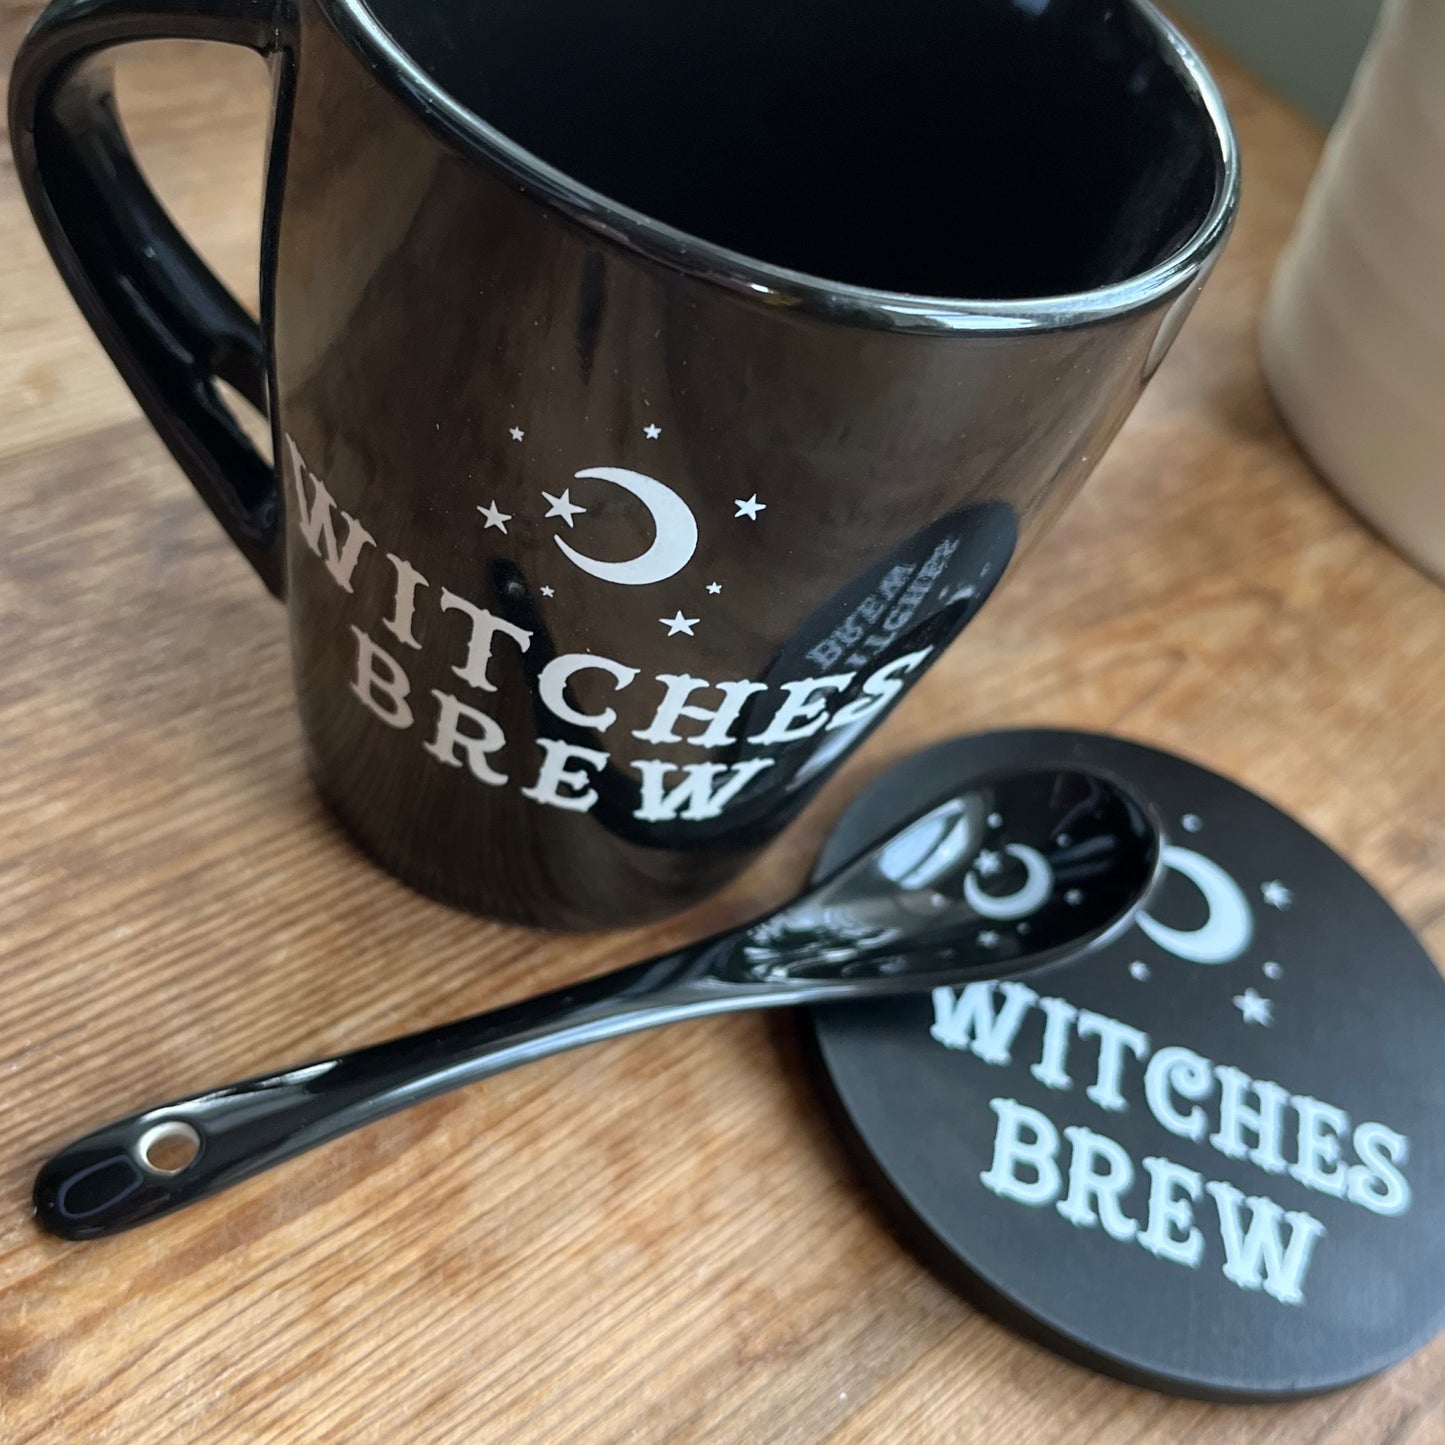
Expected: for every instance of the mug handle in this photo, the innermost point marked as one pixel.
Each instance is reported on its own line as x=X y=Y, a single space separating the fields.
x=170 y=326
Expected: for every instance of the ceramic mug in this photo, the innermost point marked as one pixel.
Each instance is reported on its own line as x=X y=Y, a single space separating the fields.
x=654 y=393
x=1353 y=332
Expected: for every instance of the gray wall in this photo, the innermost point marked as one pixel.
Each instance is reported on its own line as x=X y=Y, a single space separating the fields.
x=1306 y=49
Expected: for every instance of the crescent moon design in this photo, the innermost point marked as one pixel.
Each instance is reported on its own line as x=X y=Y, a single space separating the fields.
x=672 y=547
x=1038 y=887
x=1230 y=926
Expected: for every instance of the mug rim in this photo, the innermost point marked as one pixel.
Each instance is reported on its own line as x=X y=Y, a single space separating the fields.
x=783 y=287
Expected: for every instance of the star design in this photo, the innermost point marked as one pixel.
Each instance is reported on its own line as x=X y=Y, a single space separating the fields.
x=517 y=433
x=1074 y=897
x=1063 y=840
x=714 y=588
x=988 y=938
x=563 y=506
x=678 y=623
x=988 y=863
x=749 y=508
x=549 y=592
x=995 y=820
x=1139 y=970
x=1192 y=822
x=1276 y=894
x=1273 y=970
x=495 y=517
x=652 y=431
x=1254 y=1009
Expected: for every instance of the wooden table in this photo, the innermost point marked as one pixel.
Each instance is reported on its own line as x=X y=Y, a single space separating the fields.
x=656 y=1239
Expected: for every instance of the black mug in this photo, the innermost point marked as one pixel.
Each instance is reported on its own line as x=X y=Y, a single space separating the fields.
x=655 y=390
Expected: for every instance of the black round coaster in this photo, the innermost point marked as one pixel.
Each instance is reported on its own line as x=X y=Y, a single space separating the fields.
x=1208 y=1158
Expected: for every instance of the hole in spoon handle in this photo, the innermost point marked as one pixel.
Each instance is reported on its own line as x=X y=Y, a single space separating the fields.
x=124 y=1174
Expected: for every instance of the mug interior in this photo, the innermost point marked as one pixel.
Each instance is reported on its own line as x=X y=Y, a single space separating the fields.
x=983 y=149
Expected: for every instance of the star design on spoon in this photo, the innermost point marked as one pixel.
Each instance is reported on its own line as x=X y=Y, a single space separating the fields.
x=678 y=623
x=549 y=592
x=989 y=863
x=989 y=938
x=563 y=506
x=652 y=431
x=714 y=588
x=749 y=508
x=517 y=433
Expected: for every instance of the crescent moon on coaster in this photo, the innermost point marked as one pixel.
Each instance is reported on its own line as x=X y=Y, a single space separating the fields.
x=1038 y=887
x=1230 y=925
x=672 y=547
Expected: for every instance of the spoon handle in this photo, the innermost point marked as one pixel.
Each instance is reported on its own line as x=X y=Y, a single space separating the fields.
x=140 y=1168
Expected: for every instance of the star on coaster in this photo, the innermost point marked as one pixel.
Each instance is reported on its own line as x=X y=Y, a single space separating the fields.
x=749 y=508
x=1192 y=822
x=988 y=938
x=1139 y=970
x=549 y=592
x=517 y=433
x=988 y=863
x=678 y=623
x=495 y=517
x=714 y=588
x=1254 y=1009
x=995 y=820
x=652 y=431
x=1276 y=894
x=563 y=506
x=1273 y=970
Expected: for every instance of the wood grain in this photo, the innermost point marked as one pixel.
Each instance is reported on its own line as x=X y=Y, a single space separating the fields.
x=655 y=1239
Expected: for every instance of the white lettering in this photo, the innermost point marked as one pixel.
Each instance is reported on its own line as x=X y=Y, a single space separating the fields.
x=1376 y=1183
x=675 y=705
x=1093 y=1196
x=1113 y=1038
x=1051 y=1070
x=802 y=713
x=1011 y=1149
x=966 y=1019
x=1177 y=1070
x=380 y=682
x=1172 y=1233
x=706 y=789
x=556 y=774
x=318 y=528
x=403 y=608
x=485 y=626
x=1235 y=1116
x=1318 y=1146
x=451 y=745
x=552 y=687
x=1258 y=1257
x=878 y=690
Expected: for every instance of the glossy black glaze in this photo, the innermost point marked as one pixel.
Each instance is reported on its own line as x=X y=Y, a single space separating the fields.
x=456 y=326
x=937 y=901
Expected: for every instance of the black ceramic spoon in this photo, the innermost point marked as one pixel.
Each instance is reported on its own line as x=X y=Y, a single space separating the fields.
x=1004 y=874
